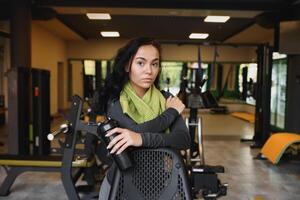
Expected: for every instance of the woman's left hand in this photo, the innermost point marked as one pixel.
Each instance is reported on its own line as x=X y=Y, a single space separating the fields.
x=123 y=139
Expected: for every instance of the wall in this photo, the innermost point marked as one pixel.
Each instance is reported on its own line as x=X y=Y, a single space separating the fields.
x=47 y=50
x=293 y=94
x=289 y=37
x=289 y=44
x=107 y=48
x=225 y=53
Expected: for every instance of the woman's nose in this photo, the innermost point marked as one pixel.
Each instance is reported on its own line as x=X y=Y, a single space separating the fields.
x=148 y=69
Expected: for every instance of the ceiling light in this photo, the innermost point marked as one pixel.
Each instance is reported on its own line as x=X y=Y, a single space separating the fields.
x=110 y=34
x=216 y=19
x=277 y=55
x=100 y=16
x=198 y=35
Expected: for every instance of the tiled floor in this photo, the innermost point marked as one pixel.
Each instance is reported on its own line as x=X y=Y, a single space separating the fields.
x=248 y=179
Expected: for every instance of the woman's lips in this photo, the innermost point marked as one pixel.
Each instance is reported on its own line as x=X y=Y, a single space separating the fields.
x=147 y=79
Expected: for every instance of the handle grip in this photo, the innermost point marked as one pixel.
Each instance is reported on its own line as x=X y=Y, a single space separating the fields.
x=64 y=128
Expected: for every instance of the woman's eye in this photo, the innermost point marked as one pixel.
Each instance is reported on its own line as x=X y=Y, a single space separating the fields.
x=155 y=64
x=140 y=63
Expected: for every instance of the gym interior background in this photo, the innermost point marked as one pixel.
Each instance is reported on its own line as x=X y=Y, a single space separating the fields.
x=251 y=63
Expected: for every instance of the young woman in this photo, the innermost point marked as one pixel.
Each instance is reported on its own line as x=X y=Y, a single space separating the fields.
x=147 y=117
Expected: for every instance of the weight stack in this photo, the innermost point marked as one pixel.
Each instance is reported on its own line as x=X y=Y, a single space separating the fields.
x=40 y=111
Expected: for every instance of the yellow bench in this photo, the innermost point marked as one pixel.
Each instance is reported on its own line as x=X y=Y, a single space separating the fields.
x=277 y=144
x=56 y=162
x=16 y=165
x=245 y=116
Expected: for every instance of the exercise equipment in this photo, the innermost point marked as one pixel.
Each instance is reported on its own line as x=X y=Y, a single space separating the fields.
x=158 y=174
x=277 y=145
x=245 y=116
x=191 y=93
x=263 y=96
x=40 y=84
x=16 y=165
x=29 y=104
x=204 y=177
x=156 y=163
x=65 y=164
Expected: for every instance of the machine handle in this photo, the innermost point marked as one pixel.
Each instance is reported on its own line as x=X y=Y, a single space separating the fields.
x=64 y=128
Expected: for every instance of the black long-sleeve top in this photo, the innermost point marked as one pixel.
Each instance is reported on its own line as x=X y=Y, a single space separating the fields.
x=153 y=131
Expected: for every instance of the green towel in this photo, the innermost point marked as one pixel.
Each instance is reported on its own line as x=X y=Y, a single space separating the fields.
x=143 y=109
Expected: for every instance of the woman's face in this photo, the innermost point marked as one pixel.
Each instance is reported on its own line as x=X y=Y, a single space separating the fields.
x=144 y=69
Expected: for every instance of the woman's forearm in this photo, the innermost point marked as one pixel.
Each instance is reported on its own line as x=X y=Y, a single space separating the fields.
x=158 y=124
x=178 y=137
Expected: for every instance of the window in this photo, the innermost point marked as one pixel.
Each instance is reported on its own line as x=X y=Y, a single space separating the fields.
x=169 y=79
x=278 y=91
x=193 y=66
x=251 y=80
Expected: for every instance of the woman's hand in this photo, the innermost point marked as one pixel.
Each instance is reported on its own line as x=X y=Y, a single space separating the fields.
x=176 y=103
x=123 y=139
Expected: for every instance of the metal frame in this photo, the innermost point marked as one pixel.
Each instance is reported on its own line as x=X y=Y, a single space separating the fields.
x=68 y=179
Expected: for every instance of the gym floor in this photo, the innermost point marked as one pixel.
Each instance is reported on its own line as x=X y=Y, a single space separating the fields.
x=248 y=179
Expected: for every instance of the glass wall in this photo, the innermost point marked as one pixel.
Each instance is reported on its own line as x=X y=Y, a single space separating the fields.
x=278 y=92
x=169 y=79
x=170 y=75
x=251 y=81
x=193 y=66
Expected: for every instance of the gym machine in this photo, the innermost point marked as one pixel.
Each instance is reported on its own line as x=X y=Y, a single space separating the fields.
x=191 y=93
x=29 y=121
x=203 y=177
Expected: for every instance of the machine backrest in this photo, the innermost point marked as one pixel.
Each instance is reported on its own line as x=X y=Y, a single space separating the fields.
x=158 y=174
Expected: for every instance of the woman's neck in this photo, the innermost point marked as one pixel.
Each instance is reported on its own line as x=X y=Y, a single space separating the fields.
x=138 y=90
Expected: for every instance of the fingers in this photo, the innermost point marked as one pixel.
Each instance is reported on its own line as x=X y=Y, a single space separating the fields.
x=117 y=146
x=115 y=140
x=120 y=143
x=169 y=99
x=113 y=131
x=123 y=148
x=174 y=99
x=123 y=139
x=176 y=103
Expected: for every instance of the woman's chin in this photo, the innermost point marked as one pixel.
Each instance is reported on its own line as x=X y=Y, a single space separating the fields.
x=146 y=85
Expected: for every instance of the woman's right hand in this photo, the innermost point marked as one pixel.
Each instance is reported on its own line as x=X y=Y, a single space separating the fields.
x=176 y=103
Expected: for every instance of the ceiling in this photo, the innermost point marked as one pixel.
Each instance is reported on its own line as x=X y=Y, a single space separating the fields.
x=169 y=21
x=173 y=28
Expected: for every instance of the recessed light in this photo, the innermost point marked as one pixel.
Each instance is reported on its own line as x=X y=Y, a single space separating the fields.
x=198 y=35
x=277 y=55
x=216 y=19
x=100 y=16
x=110 y=34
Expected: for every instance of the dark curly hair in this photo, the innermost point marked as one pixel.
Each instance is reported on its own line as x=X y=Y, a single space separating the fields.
x=116 y=81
